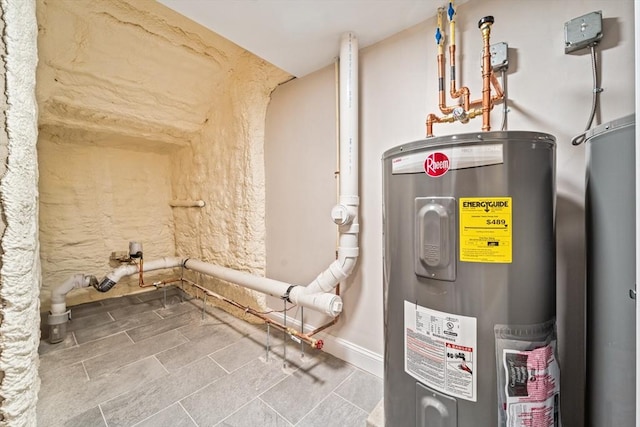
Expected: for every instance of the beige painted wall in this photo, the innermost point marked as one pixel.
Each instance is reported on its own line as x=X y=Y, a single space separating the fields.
x=549 y=92
x=140 y=106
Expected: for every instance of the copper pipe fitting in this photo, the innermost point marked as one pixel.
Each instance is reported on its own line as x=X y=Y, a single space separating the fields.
x=467 y=109
x=485 y=27
x=453 y=91
x=314 y=343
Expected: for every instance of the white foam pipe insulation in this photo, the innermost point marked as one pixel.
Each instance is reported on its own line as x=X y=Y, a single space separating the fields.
x=315 y=295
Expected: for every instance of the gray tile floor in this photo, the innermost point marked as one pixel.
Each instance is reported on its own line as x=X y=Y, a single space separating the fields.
x=151 y=360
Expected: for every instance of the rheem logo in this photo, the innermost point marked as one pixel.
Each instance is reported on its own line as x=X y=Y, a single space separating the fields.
x=436 y=164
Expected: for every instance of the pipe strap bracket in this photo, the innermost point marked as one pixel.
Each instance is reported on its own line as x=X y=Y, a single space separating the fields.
x=287 y=294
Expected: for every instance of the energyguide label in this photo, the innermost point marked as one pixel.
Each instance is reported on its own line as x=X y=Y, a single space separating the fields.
x=485 y=229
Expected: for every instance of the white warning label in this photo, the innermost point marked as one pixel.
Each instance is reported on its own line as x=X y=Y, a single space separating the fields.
x=440 y=350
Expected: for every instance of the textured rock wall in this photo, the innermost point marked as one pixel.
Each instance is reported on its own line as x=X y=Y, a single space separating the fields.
x=94 y=199
x=140 y=106
x=20 y=269
x=225 y=167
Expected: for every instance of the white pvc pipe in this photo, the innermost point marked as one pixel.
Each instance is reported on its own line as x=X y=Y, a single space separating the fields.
x=187 y=203
x=330 y=304
x=59 y=293
x=316 y=295
x=348 y=250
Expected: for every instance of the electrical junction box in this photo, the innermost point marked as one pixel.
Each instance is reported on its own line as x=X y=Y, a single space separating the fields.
x=499 y=57
x=583 y=31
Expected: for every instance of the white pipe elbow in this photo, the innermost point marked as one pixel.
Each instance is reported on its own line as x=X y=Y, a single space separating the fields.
x=329 y=304
x=59 y=293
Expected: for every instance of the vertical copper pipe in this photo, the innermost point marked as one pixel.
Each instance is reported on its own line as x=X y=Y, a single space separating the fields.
x=441 y=93
x=485 y=26
x=431 y=118
x=454 y=91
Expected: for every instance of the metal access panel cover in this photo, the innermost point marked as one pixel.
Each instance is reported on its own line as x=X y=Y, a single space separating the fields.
x=434 y=237
x=582 y=31
x=435 y=409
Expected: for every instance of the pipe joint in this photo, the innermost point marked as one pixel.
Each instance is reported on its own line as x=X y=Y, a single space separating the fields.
x=341 y=215
x=348 y=252
x=105 y=284
x=352 y=229
x=350 y=200
x=460 y=114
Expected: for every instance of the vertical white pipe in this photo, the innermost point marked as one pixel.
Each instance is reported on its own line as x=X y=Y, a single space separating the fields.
x=348 y=250
x=349 y=115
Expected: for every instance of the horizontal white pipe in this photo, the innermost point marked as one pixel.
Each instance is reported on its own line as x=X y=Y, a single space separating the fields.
x=187 y=203
x=329 y=304
x=156 y=264
x=261 y=284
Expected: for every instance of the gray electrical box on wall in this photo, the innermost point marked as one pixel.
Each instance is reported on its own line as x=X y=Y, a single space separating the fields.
x=583 y=31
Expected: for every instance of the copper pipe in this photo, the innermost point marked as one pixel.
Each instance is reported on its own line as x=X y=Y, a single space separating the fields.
x=165 y=282
x=441 y=93
x=140 y=274
x=463 y=91
x=485 y=26
x=432 y=118
x=314 y=343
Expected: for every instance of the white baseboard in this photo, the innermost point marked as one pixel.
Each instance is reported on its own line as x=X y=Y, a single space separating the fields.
x=354 y=354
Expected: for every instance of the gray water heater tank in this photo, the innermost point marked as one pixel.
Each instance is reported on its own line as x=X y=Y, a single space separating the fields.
x=469 y=281
x=611 y=304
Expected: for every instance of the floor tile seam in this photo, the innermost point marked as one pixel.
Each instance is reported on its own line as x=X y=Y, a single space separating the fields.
x=223 y=348
x=343 y=381
x=152 y=355
x=188 y=414
x=200 y=389
x=350 y=402
x=106 y=336
x=235 y=412
x=130 y=316
x=86 y=373
x=274 y=410
x=161 y=364
x=276 y=383
x=174 y=315
x=313 y=408
x=128 y=390
x=216 y=362
x=152 y=415
x=157 y=314
x=103 y=417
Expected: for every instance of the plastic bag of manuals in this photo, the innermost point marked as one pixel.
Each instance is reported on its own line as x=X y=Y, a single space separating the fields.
x=528 y=375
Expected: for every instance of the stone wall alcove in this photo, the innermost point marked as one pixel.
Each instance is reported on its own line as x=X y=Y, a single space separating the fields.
x=139 y=106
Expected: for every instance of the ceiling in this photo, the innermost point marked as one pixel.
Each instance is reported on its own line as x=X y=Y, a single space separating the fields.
x=302 y=36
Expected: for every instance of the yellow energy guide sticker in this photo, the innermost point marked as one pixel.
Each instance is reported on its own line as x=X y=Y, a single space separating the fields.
x=485 y=229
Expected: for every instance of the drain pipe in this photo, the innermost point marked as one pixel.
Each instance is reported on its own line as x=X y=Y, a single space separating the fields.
x=345 y=213
x=324 y=302
x=316 y=295
x=59 y=315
